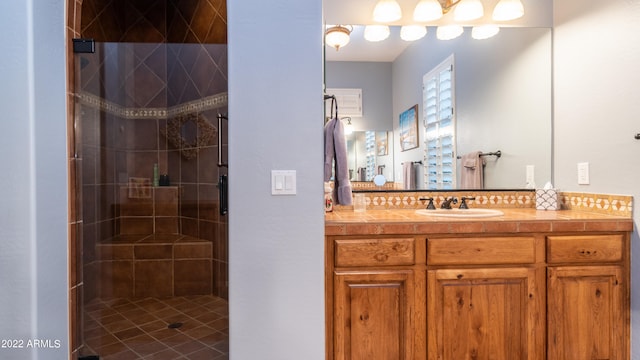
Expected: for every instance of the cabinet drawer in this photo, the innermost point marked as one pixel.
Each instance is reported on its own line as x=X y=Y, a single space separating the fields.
x=367 y=252
x=584 y=248
x=475 y=251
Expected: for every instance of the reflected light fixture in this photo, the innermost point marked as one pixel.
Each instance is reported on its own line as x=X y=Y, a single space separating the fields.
x=412 y=32
x=507 y=10
x=375 y=33
x=467 y=10
x=427 y=10
x=337 y=36
x=449 y=32
x=348 y=127
x=482 y=32
x=387 y=11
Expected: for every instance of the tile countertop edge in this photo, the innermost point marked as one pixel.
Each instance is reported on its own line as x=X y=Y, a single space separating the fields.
x=407 y=222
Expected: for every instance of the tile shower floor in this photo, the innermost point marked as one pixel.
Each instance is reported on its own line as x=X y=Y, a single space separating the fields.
x=187 y=327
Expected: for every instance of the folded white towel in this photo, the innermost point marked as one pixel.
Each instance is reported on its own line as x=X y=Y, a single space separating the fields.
x=472 y=172
x=409 y=175
x=470 y=163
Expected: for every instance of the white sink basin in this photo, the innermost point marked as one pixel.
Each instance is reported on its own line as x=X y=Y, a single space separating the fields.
x=461 y=213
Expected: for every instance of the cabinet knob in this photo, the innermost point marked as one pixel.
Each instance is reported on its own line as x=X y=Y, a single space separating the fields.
x=381 y=257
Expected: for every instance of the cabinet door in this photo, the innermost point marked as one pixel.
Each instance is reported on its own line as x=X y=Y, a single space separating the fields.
x=372 y=315
x=485 y=314
x=585 y=308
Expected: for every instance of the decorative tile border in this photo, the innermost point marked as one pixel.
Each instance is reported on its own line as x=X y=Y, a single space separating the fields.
x=199 y=105
x=369 y=185
x=382 y=200
x=618 y=205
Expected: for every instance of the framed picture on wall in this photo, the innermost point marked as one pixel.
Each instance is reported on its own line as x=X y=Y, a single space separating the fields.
x=409 y=128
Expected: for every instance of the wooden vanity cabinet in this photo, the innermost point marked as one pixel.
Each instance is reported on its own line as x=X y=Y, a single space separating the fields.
x=375 y=299
x=485 y=299
x=478 y=296
x=588 y=301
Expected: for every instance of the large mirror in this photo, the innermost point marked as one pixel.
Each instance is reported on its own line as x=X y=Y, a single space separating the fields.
x=370 y=153
x=503 y=98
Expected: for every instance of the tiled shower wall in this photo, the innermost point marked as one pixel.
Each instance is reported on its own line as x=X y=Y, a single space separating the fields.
x=170 y=21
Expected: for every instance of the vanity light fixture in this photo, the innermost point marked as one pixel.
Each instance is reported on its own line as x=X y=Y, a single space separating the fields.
x=482 y=32
x=375 y=33
x=468 y=10
x=413 y=32
x=427 y=10
x=337 y=36
x=387 y=11
x=449 y=32
x=507 y=10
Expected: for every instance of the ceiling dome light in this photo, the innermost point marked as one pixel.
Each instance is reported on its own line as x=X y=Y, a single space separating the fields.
x=387 y=11
x=412 y=32
x=507 y=10
x=468 y=10
x=427 y=10
x=449 y=32
x=375 y=33
x=337 y=36
x=484 y=31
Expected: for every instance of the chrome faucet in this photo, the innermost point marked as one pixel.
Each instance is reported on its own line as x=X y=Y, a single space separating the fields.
x=446 y=204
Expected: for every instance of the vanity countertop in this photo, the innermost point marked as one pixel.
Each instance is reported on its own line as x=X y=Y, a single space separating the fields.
x=408 y=222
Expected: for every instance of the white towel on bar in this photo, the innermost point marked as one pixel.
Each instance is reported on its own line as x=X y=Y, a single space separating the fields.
x=472 y=171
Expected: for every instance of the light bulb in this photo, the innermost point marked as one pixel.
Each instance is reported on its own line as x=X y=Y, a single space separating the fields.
x=387 y=11
x=449 y=32
x=412 y=32
x=507 y=10
x=427 y=10
x=375 y=33
x=468 y=10
x=484 y=31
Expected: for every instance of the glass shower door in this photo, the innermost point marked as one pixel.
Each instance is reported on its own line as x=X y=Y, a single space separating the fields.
x=154 y=242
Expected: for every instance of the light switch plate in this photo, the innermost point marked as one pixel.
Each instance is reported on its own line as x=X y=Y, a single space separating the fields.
x=283 y=182
x=530 y=175
x=583 y=173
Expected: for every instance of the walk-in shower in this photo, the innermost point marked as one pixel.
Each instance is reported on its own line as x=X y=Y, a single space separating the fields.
x=154 y=242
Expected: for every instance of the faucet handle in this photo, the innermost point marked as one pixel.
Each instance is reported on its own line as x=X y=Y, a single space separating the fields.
x=430 y=206
x=463 y=204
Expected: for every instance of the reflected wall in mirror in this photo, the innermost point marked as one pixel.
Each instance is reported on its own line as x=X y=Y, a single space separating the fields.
x=503 y=99
x=365 y=157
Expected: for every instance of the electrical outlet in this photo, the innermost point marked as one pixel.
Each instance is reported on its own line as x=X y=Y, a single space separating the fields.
x=583 y=173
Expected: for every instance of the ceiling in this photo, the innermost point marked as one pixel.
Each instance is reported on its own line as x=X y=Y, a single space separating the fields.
x=538 y=13
x=359 y=49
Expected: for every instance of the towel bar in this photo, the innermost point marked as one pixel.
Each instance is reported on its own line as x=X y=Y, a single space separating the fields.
x=496 y=154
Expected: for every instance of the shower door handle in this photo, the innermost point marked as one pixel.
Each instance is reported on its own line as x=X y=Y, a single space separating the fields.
x=220 y=118
x=223 y=191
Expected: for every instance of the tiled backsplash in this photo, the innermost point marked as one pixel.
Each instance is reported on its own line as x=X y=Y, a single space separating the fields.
x=620 y=205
